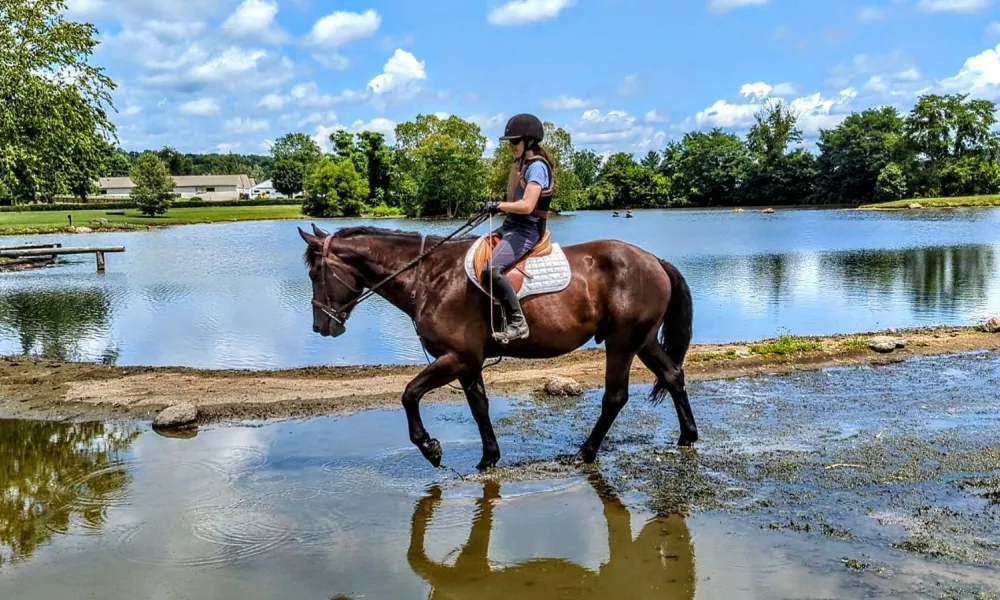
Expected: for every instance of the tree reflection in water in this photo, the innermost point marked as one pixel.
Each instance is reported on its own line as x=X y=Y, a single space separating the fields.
x=51 y=323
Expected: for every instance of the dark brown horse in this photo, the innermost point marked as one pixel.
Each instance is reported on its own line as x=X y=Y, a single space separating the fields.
x=620 y=295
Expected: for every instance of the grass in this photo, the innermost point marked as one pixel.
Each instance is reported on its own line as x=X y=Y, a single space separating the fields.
x=707 y=356
x=956 y=202
x=28 y=221
x=783 y=345
x=855 y=343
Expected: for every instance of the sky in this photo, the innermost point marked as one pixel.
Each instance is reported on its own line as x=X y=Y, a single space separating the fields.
x=619 y=75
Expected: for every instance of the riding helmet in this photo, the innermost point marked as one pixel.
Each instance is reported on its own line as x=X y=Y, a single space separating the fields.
x=523 y=125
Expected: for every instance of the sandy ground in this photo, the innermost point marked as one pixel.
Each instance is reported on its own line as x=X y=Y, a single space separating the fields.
x=36 y=388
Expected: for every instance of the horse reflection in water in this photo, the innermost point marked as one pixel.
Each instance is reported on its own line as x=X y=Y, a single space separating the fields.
x=657 y=564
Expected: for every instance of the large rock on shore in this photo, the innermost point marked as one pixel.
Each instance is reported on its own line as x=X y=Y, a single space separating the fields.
x=181 y=415
x=993 y=325
x=563 y=386
x=885 y=344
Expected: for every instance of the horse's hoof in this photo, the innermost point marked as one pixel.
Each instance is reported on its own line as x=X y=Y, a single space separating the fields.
x=431 y=449
x=585 y=456
x=487 y=463
x=687 y=441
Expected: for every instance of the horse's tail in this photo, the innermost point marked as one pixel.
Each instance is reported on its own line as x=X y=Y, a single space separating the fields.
x=675 y=334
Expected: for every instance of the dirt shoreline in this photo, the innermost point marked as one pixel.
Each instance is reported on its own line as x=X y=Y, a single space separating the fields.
x=39 y=388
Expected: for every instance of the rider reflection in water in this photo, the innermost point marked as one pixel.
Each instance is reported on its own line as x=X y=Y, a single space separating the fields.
x=526 y=204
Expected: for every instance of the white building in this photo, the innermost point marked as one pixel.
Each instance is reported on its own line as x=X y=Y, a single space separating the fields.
x=206 y=187
x=265 y=189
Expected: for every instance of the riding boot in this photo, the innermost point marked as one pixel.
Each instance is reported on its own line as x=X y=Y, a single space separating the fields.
x=517 y=326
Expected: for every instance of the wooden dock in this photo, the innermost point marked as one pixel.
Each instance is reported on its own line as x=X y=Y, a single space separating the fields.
x=29 y=251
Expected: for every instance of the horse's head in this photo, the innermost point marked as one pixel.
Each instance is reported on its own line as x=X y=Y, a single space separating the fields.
x=334 y=283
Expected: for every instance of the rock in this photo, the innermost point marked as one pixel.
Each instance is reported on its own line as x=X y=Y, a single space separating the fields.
x=768 y=211
x=993 y=325
x=916 y=205
x=84 y=230
x=181 y=415
x=563 y=386
x=99 y=222
x=885 y=343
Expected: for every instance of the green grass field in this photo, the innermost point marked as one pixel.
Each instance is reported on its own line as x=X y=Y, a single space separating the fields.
x=45 y=221
x=957 y=202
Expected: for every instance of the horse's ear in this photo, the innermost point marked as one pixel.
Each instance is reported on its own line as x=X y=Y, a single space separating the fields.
x=309 y=238
x=319 y=232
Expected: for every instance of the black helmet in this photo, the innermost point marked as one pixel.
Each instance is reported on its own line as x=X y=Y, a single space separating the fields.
x=523 y=125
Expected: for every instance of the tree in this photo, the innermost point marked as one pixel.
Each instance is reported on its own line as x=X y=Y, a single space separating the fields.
x=295 y=156
x=117 y=165
x=378 y=158
x=710 y=168
x=334 y=189
x=891 y=184
x=446 y=158
x=586 y=165
x=773 y=130
x=152 y=185
x=53 y=103
x=854 y=153
x=178 y=164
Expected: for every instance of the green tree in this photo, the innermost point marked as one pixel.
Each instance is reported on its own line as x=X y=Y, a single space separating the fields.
x=117 y=165
x=891 y=184
x=854 y=153
x=53 y=103
x=378 y=159
x=775 y=127
x=775 y=176
x=295 y=156
x=152 y=185
x=446 y=158
x=710 y=168
x=334 y=189
x=586 y=166
x=177 y=164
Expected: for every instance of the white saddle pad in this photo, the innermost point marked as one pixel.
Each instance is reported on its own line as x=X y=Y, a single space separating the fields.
x=543 y=274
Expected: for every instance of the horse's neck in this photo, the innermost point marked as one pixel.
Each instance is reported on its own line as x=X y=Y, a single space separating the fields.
x=378 y=258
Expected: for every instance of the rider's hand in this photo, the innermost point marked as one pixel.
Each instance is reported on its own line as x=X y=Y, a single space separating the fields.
x=493 y=207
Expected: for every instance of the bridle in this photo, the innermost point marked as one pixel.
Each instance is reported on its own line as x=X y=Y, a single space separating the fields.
x=338 y=315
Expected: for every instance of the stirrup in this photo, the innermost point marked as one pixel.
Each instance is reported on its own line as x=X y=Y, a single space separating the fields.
x=512 y=332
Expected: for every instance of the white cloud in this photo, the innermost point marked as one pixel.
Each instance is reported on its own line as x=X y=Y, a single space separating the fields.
x=980 y=76
x=227 y=148
x=993 y=28
x=254 y=19
x=872 y=14
x=654 y=116
x=629 y=86
x=386 y=127
x=568 y=103
x=595 y=128
x=523 y=12
x=911 y=74
x=341 y=28
x=320 y=117
x=134 y=11
x=131 y=110
x=487 y=121
x=723 y=6
x=246 y=125
x=401 y=76
x=785 y=89
x=272 y=101
x=956 y=6
x=202 y=107
x=814 y=111
x=334 y=61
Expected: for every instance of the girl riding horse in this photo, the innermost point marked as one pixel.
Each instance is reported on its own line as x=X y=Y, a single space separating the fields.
x=526 y=204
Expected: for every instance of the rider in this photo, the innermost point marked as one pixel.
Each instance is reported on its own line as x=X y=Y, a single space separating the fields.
x=526 y=204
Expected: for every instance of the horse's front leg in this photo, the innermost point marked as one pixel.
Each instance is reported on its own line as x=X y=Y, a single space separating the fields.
x=479 y=404
x=440 y=372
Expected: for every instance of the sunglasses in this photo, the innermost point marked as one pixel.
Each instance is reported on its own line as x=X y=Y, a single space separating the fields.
x=515 y=141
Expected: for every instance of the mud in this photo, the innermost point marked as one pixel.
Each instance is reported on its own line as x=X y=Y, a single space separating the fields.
x=35 y=388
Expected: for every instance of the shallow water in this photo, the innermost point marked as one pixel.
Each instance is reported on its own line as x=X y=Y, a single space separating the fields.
x=236 y=295
x=344 y=507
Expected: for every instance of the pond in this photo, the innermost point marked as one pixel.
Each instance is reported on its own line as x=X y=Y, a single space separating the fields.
x=236 y=295
x=345 y=507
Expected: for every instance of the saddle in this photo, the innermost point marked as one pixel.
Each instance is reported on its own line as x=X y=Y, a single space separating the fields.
x=543 y=269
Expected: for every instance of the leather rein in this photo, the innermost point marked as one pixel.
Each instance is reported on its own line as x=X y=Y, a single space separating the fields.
x=340 y=314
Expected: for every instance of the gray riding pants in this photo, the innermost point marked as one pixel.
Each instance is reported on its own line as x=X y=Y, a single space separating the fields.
x=514 y=243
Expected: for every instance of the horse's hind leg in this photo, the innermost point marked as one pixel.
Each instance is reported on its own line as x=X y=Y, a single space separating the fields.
x=670 y=378
x=618 y=364
x=479 y=404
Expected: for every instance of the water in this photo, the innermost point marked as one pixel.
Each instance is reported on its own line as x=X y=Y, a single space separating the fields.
x=236 y=295
x=346 y=508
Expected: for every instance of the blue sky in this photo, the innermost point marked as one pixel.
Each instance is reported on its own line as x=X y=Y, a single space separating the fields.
x=620 y=75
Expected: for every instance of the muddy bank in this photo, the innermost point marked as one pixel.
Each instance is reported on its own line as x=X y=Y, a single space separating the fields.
x=38 y=388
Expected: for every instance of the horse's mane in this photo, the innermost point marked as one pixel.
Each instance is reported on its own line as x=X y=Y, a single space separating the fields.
x=350 y=232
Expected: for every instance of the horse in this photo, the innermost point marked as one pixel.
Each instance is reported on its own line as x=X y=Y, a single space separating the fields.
x=619 y=295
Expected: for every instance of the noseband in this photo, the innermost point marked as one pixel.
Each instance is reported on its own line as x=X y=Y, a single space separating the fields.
x=337 y=314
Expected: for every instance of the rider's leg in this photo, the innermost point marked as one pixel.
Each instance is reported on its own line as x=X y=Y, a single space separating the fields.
x=512 y=246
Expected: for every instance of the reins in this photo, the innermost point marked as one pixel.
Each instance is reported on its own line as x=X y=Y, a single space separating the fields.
x=338 y=314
